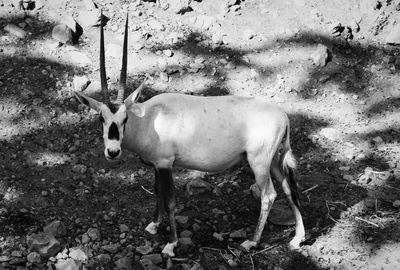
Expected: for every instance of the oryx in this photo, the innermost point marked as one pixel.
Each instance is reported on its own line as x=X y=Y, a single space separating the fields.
x=202 y=133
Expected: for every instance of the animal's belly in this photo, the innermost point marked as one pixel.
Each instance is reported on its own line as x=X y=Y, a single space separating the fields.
x=208 y=159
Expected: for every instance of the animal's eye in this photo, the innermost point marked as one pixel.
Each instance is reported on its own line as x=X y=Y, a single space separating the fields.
x=101 y=119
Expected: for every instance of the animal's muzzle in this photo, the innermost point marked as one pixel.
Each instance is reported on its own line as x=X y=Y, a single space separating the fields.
x=113 y=154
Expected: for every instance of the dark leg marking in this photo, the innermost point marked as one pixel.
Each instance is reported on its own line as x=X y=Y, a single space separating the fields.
x=167 y=185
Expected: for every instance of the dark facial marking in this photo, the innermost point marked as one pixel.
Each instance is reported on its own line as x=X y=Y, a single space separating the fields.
x=112 y=107
x=113 y=133
x=101 y=118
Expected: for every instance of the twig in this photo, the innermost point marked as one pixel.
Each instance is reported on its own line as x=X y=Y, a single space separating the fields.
x=309 y=189
x=265 y=249
x=252 y=263
x=367 y=221
x=148 y=191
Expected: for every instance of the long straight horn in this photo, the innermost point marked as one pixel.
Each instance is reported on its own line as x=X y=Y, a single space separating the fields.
x=122 y=80
x=103 y=75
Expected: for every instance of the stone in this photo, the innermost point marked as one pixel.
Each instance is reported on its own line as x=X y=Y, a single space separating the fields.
x=56 y=228
x=44 y=243
x=167 y=52
x=16 y=253
x=68 y=264
x=14 y=30
x=124 y=263
x=88 y=18
x=62 y=33
x=238 y=234
x=78 y=254
x=85 y=239
x=17 y=261
x=155 y=258
x=124 y=228
x=186 y=233
x=146 y=249
x=179 y=6
x=111 y=248
x=198 y=186
x=93 y=233
x=104 y=258
x=34 y=258
x=321 y=56
x=4 y=258
x=331 y=134
x=182 y=220
x=396 y=204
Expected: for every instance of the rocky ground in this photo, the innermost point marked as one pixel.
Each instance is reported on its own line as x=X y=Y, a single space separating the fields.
x=332 y=65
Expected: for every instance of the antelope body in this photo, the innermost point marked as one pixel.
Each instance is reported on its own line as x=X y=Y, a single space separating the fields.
x=203 y=133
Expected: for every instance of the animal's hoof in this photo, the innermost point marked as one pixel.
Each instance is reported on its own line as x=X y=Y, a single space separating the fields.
x=169 y=249
x=152 y=228
x=295 y=243
x=247 y=245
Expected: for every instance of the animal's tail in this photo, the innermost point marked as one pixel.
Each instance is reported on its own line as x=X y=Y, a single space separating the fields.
x=289 y=164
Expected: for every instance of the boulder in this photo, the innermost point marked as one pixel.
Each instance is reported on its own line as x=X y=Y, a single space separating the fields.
x=44 y=243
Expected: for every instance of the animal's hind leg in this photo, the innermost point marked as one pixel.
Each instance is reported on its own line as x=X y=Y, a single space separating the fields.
x=300 y=232
x=159 y=211
x=261 y=169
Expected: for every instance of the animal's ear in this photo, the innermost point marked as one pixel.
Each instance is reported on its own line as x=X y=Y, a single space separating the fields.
x=88 y=101
x=137 y=109
x=135 y=95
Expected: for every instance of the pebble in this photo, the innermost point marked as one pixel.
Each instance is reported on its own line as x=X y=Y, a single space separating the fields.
x=321 y=56
x=104 y=258
x=396 y=203
x=15 y=30
x=93 y=233
x=62 y=33
x=34 y=257
x=124 y=263
x=123 y=228
x=78 y=254
x=167 y=52
x=239 y=234
x=154 y=258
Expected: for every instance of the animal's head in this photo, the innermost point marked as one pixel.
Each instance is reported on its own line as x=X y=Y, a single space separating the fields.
x=113 y=116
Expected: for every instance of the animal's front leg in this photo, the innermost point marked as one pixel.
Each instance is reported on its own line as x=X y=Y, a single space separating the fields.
x=169 y=196
x=160 y=205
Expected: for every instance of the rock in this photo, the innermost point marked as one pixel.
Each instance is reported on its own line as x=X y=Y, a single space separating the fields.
x=321 y=56
x=44 y=243
x=124 y=263
x=238 y=234
x=88 y=18
x=56 y=228
x=146 y=249
x=179 y=6
x=93 y=233
x=80 y=83
x=68 y=264
x=62 y=33
x=78 y=254
x=79 y=58
x=111 y=248
x=149 y=265
x=186 y=233
x=185 y=241
x=104 y=258
x=198 y=186
x=14 y=30
x=16 y=253
x=154 y=258
x=62 y=255
x=124 y=228
x=218 y=236
x=156 y=25
x=396 y=204
x=34 y=257
x=17 y=261
x=4 y=258
x=348 y=177
x=167 y=52
x=85 y=238
x=182 y=220
x=393 y=37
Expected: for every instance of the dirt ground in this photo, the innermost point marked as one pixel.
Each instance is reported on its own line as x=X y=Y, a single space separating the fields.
x=345 y=120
